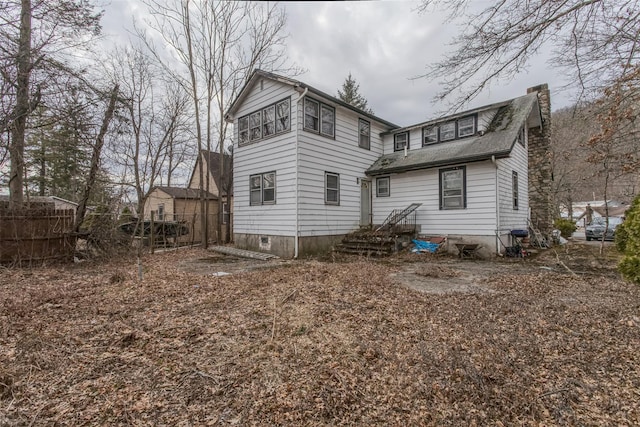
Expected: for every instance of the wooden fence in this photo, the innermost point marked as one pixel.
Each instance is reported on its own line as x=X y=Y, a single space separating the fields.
x=35 y=235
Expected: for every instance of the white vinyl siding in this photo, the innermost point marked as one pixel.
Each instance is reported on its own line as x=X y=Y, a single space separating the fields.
x=510 y=218
x=478 y=219
x=341 y=156
x=274 y=154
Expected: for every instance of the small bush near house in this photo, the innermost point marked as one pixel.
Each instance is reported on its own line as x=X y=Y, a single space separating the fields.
x=566 y=227
x=629 y=242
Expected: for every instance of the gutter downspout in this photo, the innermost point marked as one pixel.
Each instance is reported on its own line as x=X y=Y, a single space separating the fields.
x=296 y=243
x=495 y=163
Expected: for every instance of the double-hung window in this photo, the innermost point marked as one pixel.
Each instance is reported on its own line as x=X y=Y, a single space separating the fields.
x=453 y=192
x=429 y=135
x=262 y=189
x=448 y=131
x=269 y=121
x=255 y=126
x=282 y=116
x=466 y=126
x=364 y=134
x=400 y=140
x=243 y=130
x=332 y=188
x=383 y=186
x=514 y=184
x=319 y=118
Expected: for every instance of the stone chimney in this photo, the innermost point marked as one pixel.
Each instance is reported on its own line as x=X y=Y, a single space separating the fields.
x=540 y=174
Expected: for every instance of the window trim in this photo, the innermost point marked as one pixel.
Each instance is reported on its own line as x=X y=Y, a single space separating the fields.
x=261 y=125
x=434 y=128
x=366 y=146
x=455 y=131
x=473 y=126
x=326 y=189
x=515 y=190
x=225 y=213
x=437 y=128
x=161 y=212
x=441 y=173
x=395 y=141
x=388 y=192
x=321 y=105
x=262 y=189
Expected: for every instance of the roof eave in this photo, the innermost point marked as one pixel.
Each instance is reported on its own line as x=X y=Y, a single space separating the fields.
x=429 y=165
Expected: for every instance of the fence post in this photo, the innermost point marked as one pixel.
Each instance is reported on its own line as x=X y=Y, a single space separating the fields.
x=151 y=237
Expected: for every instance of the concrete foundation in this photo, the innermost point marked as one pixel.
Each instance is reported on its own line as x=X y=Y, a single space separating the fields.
x=284 y=246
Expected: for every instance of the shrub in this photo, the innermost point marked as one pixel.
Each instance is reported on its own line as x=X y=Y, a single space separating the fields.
x=629 y=266
x=566 y=227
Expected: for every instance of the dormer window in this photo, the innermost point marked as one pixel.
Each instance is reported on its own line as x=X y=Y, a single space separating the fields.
x=448 y=131
x=429 y=135
x=400 y=140
x=466 y=126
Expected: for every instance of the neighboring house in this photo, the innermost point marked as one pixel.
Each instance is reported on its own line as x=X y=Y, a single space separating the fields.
x=58 y=202
x=183 y=204
x=309 y=169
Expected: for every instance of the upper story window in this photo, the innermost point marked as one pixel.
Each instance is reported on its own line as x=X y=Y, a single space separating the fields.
x=466 y=126
x=262 y=189
x=319 y=118
x=364 y=134
x=268 y=121
x=400 y=141
x=460 y=128
x=448 y=131
x=429 y=135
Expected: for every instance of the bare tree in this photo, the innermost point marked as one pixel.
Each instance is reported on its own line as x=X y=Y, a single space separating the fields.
x=218 y=44
x=595 y=40
x=150 y=141
x=33 y=40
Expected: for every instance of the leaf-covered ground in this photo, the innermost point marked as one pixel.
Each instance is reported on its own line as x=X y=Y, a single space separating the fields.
x=318 y=343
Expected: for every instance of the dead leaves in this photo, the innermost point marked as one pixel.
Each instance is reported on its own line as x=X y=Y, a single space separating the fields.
x=315 y=344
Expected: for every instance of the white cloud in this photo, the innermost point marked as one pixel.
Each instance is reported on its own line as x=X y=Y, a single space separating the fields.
x=383 y=44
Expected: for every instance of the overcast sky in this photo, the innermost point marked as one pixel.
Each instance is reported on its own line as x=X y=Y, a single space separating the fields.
x=383 y=44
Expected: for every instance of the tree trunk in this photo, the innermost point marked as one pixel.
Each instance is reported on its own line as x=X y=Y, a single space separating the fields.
x=21 y=111
x=95 y=158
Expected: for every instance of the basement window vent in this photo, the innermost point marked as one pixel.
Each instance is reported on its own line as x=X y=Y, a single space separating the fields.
x=265 y=243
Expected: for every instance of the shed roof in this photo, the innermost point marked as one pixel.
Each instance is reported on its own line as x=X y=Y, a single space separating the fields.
x=497 y=141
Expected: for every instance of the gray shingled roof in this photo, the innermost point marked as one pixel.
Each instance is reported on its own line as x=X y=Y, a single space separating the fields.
x=497 y=141
x=186 y=193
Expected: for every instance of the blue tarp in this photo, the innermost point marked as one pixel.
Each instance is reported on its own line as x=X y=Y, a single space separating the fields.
x=422 y=246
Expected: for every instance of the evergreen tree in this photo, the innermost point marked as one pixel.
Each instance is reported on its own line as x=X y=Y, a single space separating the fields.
x=351 y=96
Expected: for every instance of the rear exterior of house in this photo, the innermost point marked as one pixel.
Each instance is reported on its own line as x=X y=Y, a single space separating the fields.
x=309 y=169
x=299 y=165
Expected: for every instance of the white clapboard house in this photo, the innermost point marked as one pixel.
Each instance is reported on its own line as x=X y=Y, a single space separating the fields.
x=309 y=168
